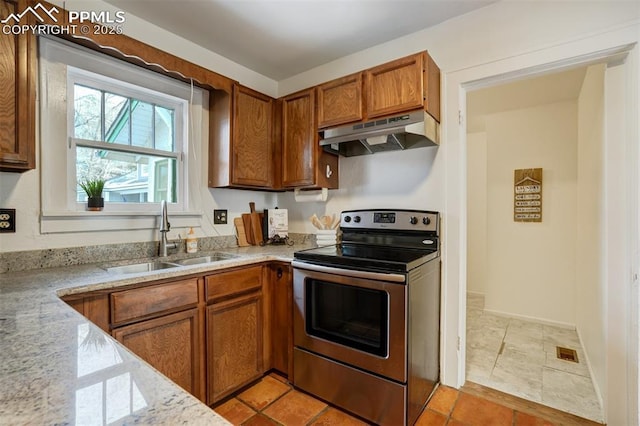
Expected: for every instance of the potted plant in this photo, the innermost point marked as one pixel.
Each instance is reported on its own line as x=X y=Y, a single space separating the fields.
x=93 y=188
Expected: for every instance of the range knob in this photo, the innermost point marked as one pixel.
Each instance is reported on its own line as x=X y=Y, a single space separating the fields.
x=413 y=220
x=356 y=219
x=347 y=219
x=426 y=220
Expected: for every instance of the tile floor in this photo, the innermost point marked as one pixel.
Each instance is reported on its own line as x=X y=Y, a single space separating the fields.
x=528 y=366
x=272 y=401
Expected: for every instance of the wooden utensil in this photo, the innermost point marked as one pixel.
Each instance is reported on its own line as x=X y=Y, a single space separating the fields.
x=326 y=222
x=256 y=224
x=242 y=235
x=315 y=221
x=246 y=221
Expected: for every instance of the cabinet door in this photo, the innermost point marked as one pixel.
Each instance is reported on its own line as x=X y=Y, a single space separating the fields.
x=171 y=344
x=252 y=147
x=234 y=345
x=304 y=163
x=340 y=101
x=281 y=319
x=299 y=139
x=396 y=86
x=17 y=97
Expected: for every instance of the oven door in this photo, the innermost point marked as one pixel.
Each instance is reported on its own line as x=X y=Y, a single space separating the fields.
x=354 y=317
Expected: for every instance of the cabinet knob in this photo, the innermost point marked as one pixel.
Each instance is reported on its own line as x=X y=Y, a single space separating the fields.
x=279 y=273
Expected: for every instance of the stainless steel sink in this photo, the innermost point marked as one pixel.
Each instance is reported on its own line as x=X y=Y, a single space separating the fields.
x=141 y=267
x=204 y=259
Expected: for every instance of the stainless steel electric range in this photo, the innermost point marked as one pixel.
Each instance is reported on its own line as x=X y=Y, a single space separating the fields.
x=367 y=315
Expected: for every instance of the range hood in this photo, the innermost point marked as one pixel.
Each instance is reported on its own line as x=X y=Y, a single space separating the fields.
x=411 y=130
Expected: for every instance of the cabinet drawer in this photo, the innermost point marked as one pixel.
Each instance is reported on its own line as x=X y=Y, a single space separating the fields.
x=229 y=283
x=145 y=302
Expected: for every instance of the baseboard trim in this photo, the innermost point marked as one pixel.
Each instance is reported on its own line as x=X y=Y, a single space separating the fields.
x=591 y=375
x=534 y=319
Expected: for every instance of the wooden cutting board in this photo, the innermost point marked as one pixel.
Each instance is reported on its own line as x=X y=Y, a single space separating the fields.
x=246 y=221
x=256 y=224
x=242 y=235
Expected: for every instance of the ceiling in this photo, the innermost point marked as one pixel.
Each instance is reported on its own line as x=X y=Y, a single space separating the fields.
x=527 y=93
x=282 y=38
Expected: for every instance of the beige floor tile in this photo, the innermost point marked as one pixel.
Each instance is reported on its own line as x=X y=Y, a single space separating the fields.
x=528 y=366
x=571 y=393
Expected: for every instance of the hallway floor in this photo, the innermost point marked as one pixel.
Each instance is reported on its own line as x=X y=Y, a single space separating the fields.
x=519 y=358
x=273 y=401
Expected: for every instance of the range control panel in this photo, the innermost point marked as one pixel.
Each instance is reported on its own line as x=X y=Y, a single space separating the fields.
x=402 y=220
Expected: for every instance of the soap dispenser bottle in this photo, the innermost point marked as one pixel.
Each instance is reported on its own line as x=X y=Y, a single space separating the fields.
x=191 y=242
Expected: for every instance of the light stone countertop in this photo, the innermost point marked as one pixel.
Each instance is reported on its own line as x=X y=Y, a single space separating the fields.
x=56 y=367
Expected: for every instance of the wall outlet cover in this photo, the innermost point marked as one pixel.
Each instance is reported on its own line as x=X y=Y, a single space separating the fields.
x=7 y=220
x=219 y=217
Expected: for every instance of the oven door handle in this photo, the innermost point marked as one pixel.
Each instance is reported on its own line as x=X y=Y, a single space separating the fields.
x=380 y=276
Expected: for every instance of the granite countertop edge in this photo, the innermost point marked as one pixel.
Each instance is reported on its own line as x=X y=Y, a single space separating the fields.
x=42 y=333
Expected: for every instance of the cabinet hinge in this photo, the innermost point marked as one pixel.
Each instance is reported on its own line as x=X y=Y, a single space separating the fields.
x=459 y=117
x=459 y=340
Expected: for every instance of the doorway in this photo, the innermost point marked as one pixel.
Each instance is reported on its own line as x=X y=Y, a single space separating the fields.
x=536 y=291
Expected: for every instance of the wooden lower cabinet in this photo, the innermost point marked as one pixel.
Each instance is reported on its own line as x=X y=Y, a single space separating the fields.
x=171 y=344
x=281 y=288
x=211 y=335
x=234 y=344
x=95 y=307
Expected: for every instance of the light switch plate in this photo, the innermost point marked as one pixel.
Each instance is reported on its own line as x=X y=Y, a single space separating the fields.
x=7 y=220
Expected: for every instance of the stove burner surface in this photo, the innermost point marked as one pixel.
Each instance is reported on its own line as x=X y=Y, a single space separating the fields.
x=367 y=257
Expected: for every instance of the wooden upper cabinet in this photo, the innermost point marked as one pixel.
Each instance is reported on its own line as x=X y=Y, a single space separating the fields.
x=241 y=141
x=17 y=97
x=304 y=163
x=403 y=85
x=340 y=101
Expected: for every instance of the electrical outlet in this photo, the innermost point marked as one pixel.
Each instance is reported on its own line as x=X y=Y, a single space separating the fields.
x=219 y=217
x=7 y=220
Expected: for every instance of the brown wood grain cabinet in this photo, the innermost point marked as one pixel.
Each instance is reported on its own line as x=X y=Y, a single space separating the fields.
x=281 y=318
x=171 y=344
x=340 y=101
x=402 y=85
x=94 y=306
x=212 y=335
x=17 y=97
x=304 y=163
x=162 y=324
x=242 y=151
x=235 y=331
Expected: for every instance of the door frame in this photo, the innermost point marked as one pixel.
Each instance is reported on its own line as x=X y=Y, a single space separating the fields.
x=612 y=46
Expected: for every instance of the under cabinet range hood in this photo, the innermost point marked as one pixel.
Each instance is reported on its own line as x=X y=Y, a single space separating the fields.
x=410 y=130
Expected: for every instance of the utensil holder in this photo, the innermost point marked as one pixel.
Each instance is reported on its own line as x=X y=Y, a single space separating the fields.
x=326 y=237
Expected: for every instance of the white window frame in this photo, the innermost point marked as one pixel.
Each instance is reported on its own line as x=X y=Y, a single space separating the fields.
x=60 y=213
x=124 y=89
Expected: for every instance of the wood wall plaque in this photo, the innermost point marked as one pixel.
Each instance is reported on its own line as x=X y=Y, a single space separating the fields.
x=527 y=195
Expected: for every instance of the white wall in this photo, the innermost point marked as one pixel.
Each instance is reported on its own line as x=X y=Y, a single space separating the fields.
x=477 y=238
x=531 y=267
x=590 y=287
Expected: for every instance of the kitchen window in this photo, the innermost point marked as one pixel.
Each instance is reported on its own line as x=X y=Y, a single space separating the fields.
x=134 y=128
x=126 y=136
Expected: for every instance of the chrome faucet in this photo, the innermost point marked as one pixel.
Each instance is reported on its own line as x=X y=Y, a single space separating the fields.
x=164 y=228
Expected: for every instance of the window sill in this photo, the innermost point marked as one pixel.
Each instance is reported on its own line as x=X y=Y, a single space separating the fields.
x=86 y=221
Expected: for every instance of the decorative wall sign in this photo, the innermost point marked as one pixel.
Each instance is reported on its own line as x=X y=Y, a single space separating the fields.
x=527 y=191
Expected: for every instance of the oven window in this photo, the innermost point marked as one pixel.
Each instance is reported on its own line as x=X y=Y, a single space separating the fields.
x=352 y=316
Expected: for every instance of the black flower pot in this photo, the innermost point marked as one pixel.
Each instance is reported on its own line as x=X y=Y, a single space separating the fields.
x=95 y=203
